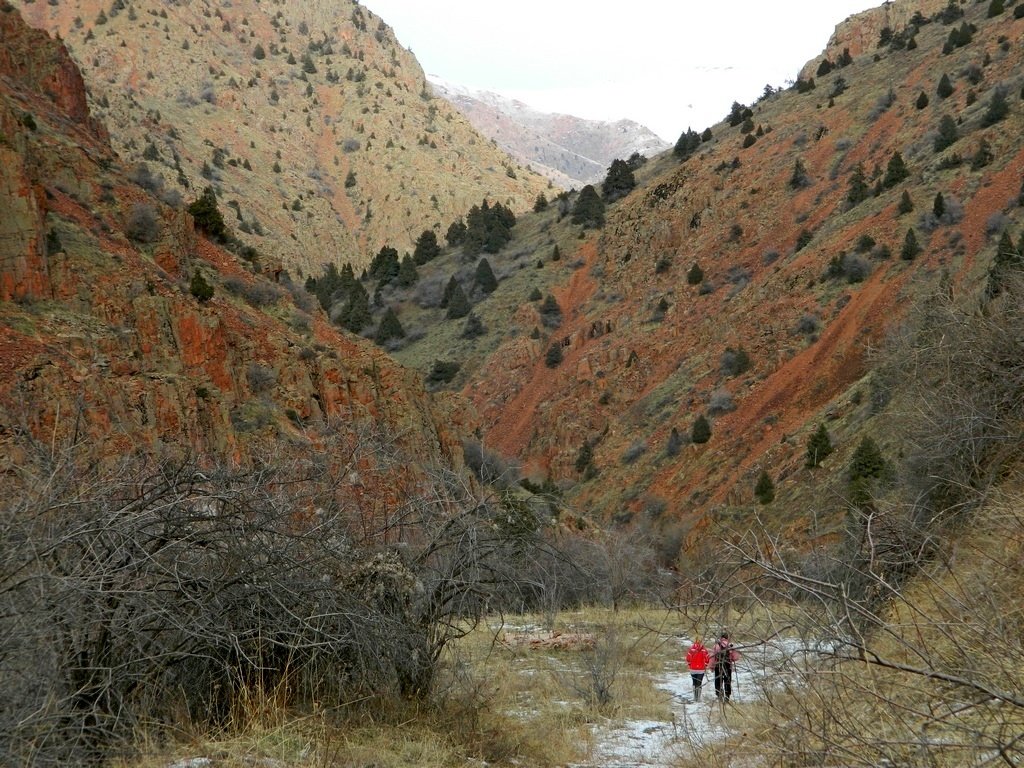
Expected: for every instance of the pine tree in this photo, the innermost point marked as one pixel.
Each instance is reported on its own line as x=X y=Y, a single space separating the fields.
x=207 y=216
x=911 y=248
x=939 y=206
x=458 y=304
x=895 y=171
x=473 y=328
x=407 y=272
x=385 y=267
x=687 y=143
x=553 y=357
x=427 y=248
x=818 y=447
x=356 y=314
x=906 y=205
x=799 y=178
x=922 y=100
x=764 y=490
x=589 y=209
x=947 y=135
x=556 y=254
x=484 y=277
x=584 y=458
x=998 y=108
x=389 y=328
x=695 y=276
x=700 y=433
x=866 y=466
x=858 y=191
x=945 y=87
x=456 y=233
x=199 y=288
x=619 y=182
x=448 y=290
x=540 y=204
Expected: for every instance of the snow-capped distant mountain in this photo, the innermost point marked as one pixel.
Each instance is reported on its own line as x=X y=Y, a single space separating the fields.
x=571 y=151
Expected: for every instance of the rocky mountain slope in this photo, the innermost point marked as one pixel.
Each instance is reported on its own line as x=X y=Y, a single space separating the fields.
x=571 y=151
x=310 y=120
x=815 y=223
x=122 y=328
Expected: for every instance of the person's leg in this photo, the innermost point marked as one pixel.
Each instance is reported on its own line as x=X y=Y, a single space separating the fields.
x=698 y=681
x=718 y=682
x=727 y=682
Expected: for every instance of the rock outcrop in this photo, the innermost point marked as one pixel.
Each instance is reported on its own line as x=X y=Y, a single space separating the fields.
x=106 y=347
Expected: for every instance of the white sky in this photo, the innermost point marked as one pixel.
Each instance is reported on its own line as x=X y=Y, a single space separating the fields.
x=668 y=65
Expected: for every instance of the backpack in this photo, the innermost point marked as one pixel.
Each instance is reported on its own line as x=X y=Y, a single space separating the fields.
x=723 y=653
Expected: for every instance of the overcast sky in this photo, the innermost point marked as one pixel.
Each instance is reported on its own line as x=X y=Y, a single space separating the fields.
x=668 y=64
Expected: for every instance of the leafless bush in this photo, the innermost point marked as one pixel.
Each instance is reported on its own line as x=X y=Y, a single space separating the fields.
x=260 y=378
x=489 y=466
x=143 y=223
x=149 y=595
x=635 y=450
x=720 y=401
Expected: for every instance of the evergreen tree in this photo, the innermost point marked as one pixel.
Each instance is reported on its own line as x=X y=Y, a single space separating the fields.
x=947 y=135
x=906 y=205
x=540 y=204
x=535 y=294
x=700 y=433
x=484 y=277
x=995 y=8
x=356 y=313
x=584 y=458
x=258 y=53
x=407 y=272
x=866 y=467
x=939 y=206
x=456 y=233
x=982 y=156
x=818 y=447
x=458 y=304
x=556 y=254
x=427 y=248
x=688 y=143
x=911 y=248
x=998 y=108
x=895 y=171
x=706 y=135
x=922 y=100
x=619 y=182
x=764 y=490
x=385 y=267
x=448 y=290
x=199 y=288
x=473 y=328
x=695 y=276
x=589 y=209
x=858 y=191
x=207 y=216
x=945 y=87
x=799 y=178
x=389 y=328
x=553 y=357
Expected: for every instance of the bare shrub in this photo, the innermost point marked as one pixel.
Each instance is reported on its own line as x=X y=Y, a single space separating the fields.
x=143 y=223
x=635 y=450
x=720 y=401
x=260 y=378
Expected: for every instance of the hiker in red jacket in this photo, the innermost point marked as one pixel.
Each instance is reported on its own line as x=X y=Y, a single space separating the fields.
x=698 y=659
x=724 y=657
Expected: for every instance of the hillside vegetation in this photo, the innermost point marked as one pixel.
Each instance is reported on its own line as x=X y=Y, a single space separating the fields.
x=313 y=125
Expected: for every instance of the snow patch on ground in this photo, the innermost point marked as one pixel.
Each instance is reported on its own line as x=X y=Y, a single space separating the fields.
x=694 y=724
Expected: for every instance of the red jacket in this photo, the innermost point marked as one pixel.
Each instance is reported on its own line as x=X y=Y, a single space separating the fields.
x=698 y=657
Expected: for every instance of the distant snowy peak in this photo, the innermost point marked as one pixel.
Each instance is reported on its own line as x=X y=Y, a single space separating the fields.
x=571 y=151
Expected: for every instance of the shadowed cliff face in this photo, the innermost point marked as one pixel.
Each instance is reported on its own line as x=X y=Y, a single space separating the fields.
x=105 y=346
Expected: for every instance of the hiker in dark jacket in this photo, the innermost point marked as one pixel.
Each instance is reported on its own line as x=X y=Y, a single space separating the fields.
x=723 y=658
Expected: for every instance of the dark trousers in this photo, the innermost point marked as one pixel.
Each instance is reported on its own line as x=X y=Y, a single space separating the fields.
x=723 y=681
